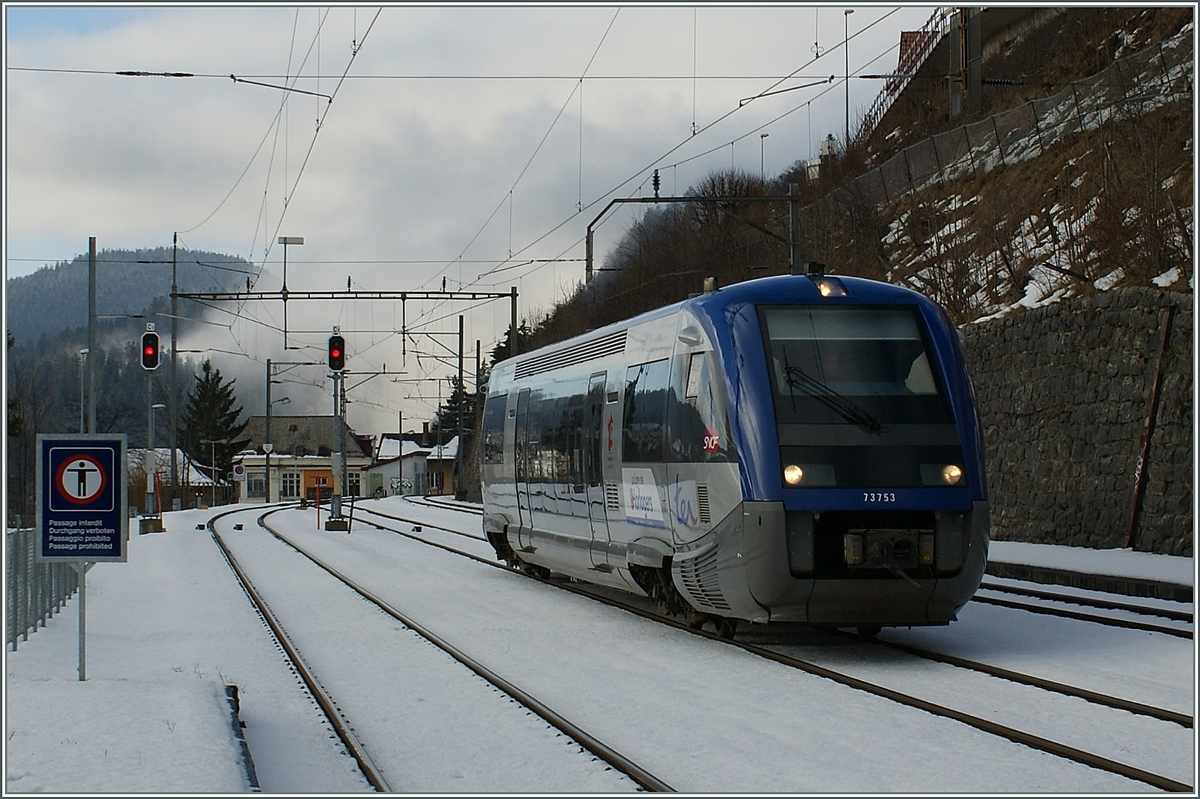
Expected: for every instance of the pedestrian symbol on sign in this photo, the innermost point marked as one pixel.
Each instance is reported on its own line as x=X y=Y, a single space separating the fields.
x=81 y=480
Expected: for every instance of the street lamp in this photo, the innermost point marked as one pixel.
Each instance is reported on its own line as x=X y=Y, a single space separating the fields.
x=82 y=357
x=151 y=464
x=846 y=46
x=268 y=446
x=213 y=442
x=762 y=156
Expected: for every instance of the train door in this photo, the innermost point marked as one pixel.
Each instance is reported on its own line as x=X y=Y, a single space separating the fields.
x=521 y=462
x=593 y=469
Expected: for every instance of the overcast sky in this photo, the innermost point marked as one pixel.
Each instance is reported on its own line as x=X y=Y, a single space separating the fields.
x=470 y=144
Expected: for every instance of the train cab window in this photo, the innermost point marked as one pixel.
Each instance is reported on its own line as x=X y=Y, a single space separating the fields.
x=866 y=366
x=493 y=428
x=698 y=426
x=645 y=417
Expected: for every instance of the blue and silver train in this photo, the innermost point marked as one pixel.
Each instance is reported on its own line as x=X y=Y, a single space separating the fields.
x=799 y=448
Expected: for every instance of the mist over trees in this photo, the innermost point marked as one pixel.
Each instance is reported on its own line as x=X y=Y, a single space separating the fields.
x=127 y=282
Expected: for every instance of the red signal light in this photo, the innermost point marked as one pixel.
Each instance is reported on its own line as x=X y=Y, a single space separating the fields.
x=149 y=350
x=337 y=353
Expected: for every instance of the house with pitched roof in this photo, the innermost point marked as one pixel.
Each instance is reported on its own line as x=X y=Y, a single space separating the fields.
x=298 y=459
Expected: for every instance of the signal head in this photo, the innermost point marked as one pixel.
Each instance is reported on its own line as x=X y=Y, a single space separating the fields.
x=150 y=352
x=337 y=353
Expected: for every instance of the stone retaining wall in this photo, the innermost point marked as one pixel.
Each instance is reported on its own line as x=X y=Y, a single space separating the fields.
x=1063 y=393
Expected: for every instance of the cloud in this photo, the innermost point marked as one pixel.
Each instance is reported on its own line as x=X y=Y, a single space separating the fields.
x=460 y=135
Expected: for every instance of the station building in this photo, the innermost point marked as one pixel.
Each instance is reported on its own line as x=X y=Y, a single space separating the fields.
x=302 y=462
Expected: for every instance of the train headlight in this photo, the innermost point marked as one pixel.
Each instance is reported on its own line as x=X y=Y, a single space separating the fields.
x=793 y=474
x=941 y=474
x=828 y=286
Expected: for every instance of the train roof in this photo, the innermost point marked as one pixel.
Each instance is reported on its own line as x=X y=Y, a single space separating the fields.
x=807 y=288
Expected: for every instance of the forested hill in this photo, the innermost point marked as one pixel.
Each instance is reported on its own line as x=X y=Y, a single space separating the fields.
x=55 y=298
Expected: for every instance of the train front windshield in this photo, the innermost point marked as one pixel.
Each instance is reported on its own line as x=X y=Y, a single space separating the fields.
x=856 y=399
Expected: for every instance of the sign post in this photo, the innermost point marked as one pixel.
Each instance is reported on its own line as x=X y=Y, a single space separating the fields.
x=82 y=507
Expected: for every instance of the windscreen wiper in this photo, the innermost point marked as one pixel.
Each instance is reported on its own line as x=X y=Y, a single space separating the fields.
x=839 y=404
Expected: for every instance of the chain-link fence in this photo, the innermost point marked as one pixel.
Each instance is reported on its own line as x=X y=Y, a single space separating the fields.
x=36 y=590
x=922 y=44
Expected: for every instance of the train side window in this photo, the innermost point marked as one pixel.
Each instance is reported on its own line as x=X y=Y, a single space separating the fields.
x=493 y=428
x=698 y=426
x=695 y=371
x=645 y=416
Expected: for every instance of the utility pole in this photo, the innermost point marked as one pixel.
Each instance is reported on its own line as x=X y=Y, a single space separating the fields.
x=173 y=389
x=174 y=414
x=462 y=397
x=516 y=348
x=794 y=228
x=340 y=387
x=267 y=445
x=846 y=46
x=91 y=361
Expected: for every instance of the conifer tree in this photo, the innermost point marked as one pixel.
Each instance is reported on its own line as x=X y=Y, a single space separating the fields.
x=208 y=416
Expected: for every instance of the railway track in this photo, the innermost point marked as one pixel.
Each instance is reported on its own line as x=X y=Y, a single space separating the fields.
x=1097 y=618
x=345 y=730
x=444 y=504
x=1092 y=602
x=341 y=728
x=989 y=726
x=1095 y=697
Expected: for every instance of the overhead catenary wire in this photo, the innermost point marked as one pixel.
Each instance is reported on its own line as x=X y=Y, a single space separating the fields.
x=683 y=142
x=473 y=77
x=536 y=149
x=525 y=267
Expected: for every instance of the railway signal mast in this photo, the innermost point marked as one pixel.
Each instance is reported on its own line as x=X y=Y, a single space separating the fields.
x=337 y=365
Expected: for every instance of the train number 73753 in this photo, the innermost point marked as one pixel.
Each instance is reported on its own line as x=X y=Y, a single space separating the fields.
x=879 y=496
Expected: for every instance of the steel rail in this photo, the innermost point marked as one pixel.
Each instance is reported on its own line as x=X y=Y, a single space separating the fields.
x=418 y=522
x=984 y=725
x=1091 y=602
x=1115 y=702
x=1073 y=614
x=432 y=502
x=602 y=750
x=340 y=726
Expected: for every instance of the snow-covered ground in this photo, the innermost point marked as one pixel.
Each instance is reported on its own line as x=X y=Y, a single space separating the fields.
x=152 y=715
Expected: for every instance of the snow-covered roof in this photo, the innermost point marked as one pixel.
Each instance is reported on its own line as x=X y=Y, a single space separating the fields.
x=444 y=452
x=388 y=449
x=302 y=435
x=189 y=473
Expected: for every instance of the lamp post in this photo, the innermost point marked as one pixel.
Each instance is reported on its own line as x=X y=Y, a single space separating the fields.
x=213 y=442
x=846 y=46
x=762 y=156
x=82 y=357
x=268 y=445
x=151 y=465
